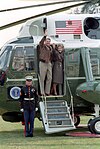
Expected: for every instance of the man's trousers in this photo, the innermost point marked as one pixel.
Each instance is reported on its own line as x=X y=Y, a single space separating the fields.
x=45 y=73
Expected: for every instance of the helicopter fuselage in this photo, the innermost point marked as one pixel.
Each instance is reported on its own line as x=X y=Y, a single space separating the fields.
x=19 y=57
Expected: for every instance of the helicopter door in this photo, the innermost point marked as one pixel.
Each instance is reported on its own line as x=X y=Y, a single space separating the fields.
x=22 y=63
x=74 y=72
x=57 y=74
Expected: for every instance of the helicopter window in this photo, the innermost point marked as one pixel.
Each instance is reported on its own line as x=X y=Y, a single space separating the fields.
x=73 y=62
x=4 y=58
x=18 y=60
x=95 y=64
x=23 y=58
x=29 y=58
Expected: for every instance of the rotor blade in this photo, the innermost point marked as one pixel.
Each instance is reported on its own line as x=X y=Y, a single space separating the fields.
x=39 y=5
x=39 y=15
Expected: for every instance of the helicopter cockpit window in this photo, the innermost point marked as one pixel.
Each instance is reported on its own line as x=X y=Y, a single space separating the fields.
x=29 y=58
x=4 y=58
x=23 y=59
x=18 y=60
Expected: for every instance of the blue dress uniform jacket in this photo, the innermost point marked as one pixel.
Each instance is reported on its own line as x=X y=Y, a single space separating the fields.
x=28 y=93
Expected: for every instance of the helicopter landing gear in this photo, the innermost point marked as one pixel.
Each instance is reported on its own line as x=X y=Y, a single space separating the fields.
x=94 y=125
x=89 y=126
x=76 y=120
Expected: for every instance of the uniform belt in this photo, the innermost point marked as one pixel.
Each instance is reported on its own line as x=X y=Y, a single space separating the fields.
x=28 y=98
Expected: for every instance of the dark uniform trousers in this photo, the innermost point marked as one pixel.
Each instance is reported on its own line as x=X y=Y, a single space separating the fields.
x=28 y=100
x=29 y=120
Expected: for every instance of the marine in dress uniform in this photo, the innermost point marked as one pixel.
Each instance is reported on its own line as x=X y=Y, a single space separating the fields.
x=28 y=100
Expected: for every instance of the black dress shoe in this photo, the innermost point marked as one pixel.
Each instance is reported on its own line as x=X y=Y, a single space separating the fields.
x=31 y=135
x=27 y=136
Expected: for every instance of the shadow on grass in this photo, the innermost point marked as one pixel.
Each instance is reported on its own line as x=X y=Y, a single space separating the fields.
x=39 y=132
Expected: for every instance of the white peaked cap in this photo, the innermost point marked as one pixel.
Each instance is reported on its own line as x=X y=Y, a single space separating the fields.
x=28 y=77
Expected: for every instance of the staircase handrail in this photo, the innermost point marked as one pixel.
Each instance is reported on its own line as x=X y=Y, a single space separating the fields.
x=44 y=100
x=71 y=103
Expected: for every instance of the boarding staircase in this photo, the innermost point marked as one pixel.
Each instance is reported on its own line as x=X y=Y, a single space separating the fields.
x=55 y=114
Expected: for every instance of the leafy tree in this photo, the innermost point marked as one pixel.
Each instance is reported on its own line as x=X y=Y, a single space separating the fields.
x=90 y=7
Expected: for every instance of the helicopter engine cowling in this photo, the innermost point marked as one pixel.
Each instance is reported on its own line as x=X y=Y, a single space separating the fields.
x=89 y=91
x=90 y=23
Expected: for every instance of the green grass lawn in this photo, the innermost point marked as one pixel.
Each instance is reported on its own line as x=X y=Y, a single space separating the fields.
x=12 y=137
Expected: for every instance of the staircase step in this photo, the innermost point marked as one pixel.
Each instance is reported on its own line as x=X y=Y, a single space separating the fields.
x=60 y=119
x=55 y=96
x=55 y=101
x=60 y=123
x=58 y=109
x=60 y=126
x=60 y=116
x=55 y=104
x=58 y=100
x=57 y=113
x=55 y=107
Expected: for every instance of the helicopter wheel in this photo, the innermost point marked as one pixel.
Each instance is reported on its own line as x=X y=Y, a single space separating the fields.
x=89 y=126
x=94 y=125
x=76 y=120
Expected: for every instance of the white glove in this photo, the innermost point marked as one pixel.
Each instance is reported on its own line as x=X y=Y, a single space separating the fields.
x=36 y=109
x=22 y=110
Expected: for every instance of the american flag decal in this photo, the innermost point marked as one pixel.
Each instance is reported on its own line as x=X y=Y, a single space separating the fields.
x=68 y=27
